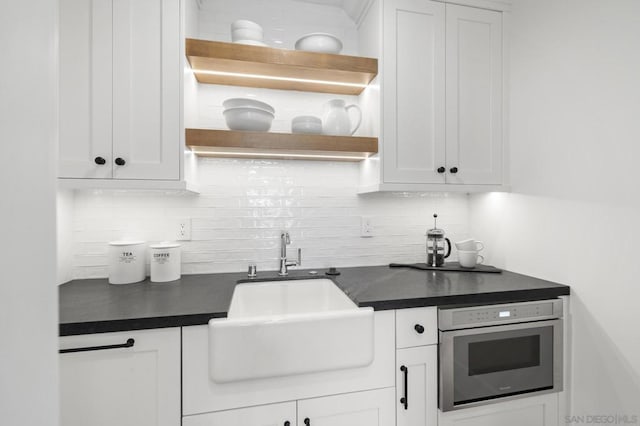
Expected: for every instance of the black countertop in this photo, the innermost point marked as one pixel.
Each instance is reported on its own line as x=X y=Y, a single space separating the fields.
x=94 y=306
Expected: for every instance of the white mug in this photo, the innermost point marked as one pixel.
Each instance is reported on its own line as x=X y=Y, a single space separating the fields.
x=469 y=245
x=469 y=258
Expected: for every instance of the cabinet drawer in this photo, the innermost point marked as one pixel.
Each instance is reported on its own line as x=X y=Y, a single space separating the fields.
x=416 y=327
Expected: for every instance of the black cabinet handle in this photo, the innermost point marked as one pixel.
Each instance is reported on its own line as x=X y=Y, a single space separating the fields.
x=419 y=328
x=129 y=343
x=120 y=161
x=441 y=169
x=405 y=400
x=453 y=170
x=307 y=422
x=100 y=161
x=287 y=423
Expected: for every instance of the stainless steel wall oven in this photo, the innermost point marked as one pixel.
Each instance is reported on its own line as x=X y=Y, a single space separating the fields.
x=497 y=352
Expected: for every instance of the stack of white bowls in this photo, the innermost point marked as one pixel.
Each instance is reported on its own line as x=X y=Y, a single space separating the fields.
x=320 y=43
x=306 y=124
x=247 y=32
x=248 y=114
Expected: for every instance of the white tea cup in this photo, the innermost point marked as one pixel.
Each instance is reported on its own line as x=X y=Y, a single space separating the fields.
x=469 y=258
x=469 y=245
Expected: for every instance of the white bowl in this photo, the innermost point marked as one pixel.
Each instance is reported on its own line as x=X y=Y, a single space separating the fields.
x=252 y=43
x=251 y=119
x=319 y=42
x=306 y=124
x=246 y=34
x=247 y=103
x=244 y=23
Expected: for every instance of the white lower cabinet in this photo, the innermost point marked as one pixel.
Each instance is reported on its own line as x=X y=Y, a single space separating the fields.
x=532 y=411
x=367 y=408
x=261 y=415
x=131 y=384
x=417 y=386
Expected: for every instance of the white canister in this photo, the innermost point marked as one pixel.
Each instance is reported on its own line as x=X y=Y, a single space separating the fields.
x=127 y=262
x=165 y=262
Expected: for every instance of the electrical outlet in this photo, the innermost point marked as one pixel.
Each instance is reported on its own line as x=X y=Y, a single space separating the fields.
x=183 y=229
x=366 y=226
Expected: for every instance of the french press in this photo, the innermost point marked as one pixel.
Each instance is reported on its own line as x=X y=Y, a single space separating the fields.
x=436 y=242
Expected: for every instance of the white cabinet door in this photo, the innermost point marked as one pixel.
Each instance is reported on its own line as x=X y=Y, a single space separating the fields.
x=146 y=89
x=413 y=91
x=132 y=386
x=263 y=415
x=417 y=386
x=85 y=47
x=474 y=95
x=533 y=411
x=369 y=408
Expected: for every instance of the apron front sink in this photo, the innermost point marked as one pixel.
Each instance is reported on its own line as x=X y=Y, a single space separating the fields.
x=283 y=328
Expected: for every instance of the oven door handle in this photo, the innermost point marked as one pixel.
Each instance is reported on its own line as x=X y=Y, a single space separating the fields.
x=405 y=400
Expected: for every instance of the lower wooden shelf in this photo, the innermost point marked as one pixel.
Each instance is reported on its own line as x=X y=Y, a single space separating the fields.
x=230 y=143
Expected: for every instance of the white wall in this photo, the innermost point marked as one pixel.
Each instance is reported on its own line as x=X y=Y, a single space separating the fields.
x=245 y=203
x=574 y=214
x=64 y=235
x=28 y=296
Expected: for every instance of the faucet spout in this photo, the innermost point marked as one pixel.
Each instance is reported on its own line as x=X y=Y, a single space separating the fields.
x=284 y=263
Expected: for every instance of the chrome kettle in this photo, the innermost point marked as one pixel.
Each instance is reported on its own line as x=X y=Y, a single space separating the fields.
x=436 y=242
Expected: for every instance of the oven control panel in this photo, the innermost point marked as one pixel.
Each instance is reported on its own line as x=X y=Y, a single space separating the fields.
x=499 y=314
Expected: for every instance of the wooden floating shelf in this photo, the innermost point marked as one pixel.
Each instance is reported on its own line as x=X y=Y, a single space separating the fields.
x=236 y=64
x=229 y=143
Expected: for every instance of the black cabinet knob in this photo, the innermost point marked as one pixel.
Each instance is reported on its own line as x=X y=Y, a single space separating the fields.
x=120 y=161
x=307 y=422
x=453 y=170
x=441 y=169
x=100 y=161
x=419 y=328
x=287 y=423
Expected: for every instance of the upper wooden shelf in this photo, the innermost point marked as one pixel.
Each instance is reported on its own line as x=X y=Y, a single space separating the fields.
x=235 y=64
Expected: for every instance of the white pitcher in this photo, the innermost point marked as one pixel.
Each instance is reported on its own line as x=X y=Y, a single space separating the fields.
x=336 y=120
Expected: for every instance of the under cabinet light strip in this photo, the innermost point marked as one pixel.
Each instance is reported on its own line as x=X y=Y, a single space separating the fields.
x=280 y=155
x=276 y=78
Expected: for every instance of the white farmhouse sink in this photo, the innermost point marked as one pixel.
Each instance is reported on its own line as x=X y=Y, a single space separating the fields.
x=282 y=328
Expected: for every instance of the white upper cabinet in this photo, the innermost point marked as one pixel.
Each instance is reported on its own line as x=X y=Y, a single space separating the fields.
x=441 y=97
x=120 y=89
x=474 y=96
x=85 y=130
x=414 y=91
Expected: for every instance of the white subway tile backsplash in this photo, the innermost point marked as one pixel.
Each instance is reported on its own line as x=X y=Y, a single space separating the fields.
x=245 y=204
